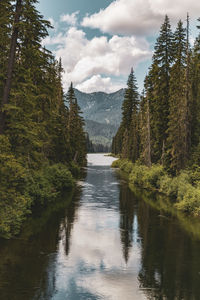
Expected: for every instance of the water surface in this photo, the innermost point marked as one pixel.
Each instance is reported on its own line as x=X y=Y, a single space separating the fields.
x=105 y=243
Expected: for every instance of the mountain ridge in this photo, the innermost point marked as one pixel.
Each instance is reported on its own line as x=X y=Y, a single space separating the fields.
x=100 y=106
x=102 y=114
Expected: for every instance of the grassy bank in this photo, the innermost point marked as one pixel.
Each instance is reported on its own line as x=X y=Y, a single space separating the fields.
x=183 y=190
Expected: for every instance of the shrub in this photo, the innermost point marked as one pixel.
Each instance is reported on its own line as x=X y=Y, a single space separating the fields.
x=168 y=186
x=152 y=176
x=185 y=188
x=183 y=184
x=191 y=201
x=137 y=174
x=126 y=166
x=14 y=200
x=116 y=163
x=46 y=185
x=74 y=169
x=59 y=176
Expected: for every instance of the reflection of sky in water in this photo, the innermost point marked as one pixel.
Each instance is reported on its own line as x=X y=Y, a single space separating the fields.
x=95 y=159
x=95 y=267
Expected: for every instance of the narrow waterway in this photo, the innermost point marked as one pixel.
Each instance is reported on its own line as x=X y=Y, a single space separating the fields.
x=104 y=243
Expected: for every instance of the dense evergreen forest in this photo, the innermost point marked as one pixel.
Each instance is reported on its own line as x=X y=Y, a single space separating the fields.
x=42 y=141
x=96 y=148
x=160 y=130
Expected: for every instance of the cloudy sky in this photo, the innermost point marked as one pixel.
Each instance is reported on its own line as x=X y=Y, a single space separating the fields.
x=100 y=40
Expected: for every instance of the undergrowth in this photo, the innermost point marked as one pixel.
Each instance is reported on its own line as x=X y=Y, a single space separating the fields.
x=184 y=189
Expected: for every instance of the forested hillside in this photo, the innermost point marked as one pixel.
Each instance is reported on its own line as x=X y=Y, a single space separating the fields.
x=101 y=107
x=161 y=128
x=42 y=141
x=102 y=114
x=100 y=133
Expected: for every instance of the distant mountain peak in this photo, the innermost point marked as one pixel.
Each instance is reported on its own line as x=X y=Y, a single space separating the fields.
x=104 y=109
x=100 y=92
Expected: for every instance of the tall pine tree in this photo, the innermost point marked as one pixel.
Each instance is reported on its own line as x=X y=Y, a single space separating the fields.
x=178 y=147
x=77 y=136
x=130 y=119
x=159 y=99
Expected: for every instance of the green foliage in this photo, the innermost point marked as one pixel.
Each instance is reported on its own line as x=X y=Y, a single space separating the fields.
x=77 y=136
x=14 y=200
x=124 y=164
x=47 y=184
x=158 y=88
x=42 y=140
x=131 y=100
x=167 y=128
x=20 y=189
x=136 y=176
x=126 y=140
x=100 y=133
x=74 y=169
x=178 y=125
x=190 y=202
x=147 y=177
x=116 y=163
x=184 y=189
x=152 y=176
x=6 y=17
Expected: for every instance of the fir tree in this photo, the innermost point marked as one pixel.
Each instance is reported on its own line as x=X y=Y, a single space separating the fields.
x=195 y=106
x=130 y=103
x=178 y=117
x=160 y=76
x=6 y=18
x=37 y=127
x=77 y=136
x=130 y=119
x=145 y=128
x=10 y=64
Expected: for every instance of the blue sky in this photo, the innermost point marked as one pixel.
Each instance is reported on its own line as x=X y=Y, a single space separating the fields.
x=100 y=40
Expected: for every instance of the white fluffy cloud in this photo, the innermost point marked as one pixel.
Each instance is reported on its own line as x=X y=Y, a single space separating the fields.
x=85 y=60
x=54 y=24
x=99 y=83
x=70 y=19
x=140 y=16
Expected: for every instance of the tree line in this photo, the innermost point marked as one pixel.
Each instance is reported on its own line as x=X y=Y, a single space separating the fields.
x=163 y=124
x=42 y=140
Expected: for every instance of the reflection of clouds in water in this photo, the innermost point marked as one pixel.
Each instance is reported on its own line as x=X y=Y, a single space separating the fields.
x=95 y=261
x=84 y=184
x=95 y=264
x=114 y=285
x=96 y=159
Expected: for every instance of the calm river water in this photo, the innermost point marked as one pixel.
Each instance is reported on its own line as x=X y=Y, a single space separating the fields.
x=104 y=243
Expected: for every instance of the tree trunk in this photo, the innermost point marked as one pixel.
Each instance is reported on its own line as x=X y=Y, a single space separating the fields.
x=11 y=60
x=76 y=156
x=187 y=100
x=148 y=137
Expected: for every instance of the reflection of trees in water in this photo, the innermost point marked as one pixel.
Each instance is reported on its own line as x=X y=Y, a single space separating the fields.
x=64 y=236
x=68 y=222
x=170 y=261
x=126 y=206
x=27 y=265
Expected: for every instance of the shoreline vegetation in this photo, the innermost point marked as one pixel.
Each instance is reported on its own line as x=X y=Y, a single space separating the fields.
x=159 y=201
x=182 y=191
x=42 y=138
x=158 y=141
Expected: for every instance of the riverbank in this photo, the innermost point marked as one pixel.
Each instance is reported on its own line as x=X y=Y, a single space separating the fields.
x=183 y=190
x=103 y=240
x=23 y=191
